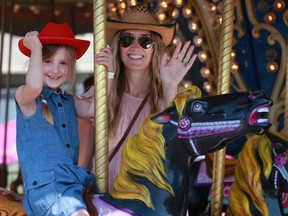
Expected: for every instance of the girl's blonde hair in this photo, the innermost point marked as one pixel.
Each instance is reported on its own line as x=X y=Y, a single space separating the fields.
x=49 y=51
x=155 y=87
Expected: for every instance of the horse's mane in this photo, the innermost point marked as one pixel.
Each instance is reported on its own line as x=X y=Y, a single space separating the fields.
x=254 y=162
x=143 y=156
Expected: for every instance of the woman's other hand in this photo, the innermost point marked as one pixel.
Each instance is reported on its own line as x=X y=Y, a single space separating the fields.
x=105 y=57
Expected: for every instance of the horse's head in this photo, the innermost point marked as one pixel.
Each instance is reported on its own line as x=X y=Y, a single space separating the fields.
x=279 y=174
x=207 y=123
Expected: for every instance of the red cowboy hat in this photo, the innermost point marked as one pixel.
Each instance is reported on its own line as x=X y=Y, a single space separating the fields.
x=60 y=34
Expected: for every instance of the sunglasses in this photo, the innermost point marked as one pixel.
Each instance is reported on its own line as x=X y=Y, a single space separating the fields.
x=145 y=41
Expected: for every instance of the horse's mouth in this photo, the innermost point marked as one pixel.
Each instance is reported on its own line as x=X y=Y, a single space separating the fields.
x=259 y=116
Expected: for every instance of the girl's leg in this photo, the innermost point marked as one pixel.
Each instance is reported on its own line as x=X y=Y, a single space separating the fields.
x=81 y=212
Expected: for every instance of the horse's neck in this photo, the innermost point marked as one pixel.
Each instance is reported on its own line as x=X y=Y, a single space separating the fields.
x=177 y=164
x=177 y=167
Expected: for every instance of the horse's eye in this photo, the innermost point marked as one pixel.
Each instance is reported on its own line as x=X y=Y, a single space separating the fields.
x=197 y=107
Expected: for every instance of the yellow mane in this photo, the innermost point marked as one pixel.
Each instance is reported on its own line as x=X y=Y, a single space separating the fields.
x=247 y=177
x=143 y=156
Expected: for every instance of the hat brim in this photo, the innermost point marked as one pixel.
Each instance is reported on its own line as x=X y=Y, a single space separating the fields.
x=166 y=31
x=80 y=45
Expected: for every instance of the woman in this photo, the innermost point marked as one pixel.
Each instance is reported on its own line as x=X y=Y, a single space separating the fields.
x=138 y=69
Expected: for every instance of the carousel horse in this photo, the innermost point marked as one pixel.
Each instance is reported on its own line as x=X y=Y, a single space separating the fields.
x=261 y=177
x=154 y=174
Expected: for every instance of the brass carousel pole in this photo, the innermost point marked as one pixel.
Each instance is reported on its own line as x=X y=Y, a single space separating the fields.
x=100 y=92
x=223 y=87
x=3 y=166
x=285 y=129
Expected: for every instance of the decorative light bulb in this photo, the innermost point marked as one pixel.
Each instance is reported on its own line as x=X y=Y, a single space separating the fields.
x=272 y=67
x=205 y=72
x=178 y=3
x=187 y=12
x=202 y=56
x=193 y=26
x=175 y=13
x=161 y=16
x=207 y=86
x=198 y=41
x=164 y=4
x=270 y=18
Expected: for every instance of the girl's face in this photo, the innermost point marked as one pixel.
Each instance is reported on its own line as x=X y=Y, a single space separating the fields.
x=56 y=69
x=134 y=56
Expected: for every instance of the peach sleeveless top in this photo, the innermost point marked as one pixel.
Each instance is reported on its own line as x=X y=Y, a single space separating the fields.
x=128 y=108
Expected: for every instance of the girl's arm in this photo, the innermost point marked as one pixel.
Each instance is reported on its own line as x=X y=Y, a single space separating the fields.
x=84 y=106
x=172 y=72
x=87 y=140
x=25 y=95
x=87 y=132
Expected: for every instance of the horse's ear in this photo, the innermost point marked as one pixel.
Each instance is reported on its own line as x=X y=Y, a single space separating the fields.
x=162 y=118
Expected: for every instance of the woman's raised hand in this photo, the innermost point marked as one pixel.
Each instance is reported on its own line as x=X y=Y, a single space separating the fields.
x=173 y=70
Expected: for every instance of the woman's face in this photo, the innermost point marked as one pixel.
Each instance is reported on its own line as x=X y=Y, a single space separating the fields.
x=132 y=53
x=55 y=69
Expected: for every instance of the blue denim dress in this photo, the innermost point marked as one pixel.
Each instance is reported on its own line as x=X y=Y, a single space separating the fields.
x=48 y=156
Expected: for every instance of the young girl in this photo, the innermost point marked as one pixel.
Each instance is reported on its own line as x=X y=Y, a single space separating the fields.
x=47 y=135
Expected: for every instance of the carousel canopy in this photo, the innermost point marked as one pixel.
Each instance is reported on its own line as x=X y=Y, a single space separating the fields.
x=19 y=16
